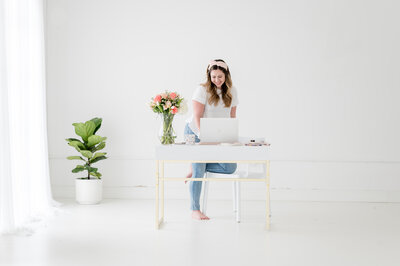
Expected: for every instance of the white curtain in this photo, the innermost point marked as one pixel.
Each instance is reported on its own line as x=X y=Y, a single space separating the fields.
x=25 y=195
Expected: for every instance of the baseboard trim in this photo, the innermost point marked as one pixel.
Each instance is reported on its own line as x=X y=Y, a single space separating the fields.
x=333 y=195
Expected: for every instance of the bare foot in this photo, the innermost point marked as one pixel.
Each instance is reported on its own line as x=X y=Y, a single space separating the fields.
x=198 y=215
x=188 y=176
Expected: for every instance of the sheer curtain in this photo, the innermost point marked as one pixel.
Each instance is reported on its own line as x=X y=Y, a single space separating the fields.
x=25 y=195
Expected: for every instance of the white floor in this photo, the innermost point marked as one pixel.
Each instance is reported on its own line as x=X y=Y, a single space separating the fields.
x=122 y=232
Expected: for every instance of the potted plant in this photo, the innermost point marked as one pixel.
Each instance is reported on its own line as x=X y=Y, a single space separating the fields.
x=89 y=188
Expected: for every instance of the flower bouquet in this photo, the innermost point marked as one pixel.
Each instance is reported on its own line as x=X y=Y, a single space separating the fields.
x=168 y=104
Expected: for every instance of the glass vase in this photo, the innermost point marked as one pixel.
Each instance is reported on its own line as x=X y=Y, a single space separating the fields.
x=167 y=133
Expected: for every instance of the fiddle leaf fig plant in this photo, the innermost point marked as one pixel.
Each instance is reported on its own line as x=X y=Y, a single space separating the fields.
x=88 y=147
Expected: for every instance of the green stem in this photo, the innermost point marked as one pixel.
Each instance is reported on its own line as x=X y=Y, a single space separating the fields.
x=88 y=177
x=168 y=131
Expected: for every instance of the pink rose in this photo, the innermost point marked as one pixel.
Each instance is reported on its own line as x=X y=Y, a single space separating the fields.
x=167 y=105
x=174 y=110
x=172 y=95
x=164 y=95
x=157 y=99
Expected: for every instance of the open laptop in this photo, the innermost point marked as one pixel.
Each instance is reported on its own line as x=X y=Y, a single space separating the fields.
x=219 y=130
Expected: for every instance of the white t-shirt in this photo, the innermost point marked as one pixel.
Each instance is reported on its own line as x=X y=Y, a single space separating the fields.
x=201 y=96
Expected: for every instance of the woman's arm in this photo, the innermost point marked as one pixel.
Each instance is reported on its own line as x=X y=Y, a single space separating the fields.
x=198 y=111
x=233 y=112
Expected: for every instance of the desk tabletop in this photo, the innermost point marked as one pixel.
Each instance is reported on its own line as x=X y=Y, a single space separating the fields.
x=212 y=152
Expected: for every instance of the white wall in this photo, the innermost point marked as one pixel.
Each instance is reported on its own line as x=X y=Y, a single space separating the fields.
x=319 y=79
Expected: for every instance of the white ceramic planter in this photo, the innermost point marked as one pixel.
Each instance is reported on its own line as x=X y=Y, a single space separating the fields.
x=88 y=191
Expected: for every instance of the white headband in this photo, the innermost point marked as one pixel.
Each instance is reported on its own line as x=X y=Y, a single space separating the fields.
x=217 y=63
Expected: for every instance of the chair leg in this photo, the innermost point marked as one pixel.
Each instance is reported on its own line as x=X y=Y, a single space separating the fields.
x=205 y=196
x=237 y=199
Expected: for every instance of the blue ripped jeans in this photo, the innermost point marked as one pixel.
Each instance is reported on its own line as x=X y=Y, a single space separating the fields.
x=198 y=170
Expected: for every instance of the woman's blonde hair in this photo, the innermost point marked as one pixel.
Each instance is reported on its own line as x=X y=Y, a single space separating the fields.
x=211 y=89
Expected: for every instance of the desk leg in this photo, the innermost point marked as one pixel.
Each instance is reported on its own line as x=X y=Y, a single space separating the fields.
x=157 y=193
x=268 y=199
x=162 y=192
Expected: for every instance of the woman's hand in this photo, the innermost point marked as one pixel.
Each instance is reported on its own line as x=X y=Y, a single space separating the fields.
x=233 y=112
x=198 y=111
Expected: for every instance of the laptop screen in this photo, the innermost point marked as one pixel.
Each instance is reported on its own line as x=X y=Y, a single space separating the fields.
x=219 y=130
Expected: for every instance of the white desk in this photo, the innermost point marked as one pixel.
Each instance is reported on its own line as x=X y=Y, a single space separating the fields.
x=208 y=154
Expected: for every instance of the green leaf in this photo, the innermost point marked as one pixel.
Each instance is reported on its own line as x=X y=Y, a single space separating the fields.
x=96 y=174
x=79 y=129
x=97 y=123
x=95 y=139
x=90 y=169
x=98 y=155
x=87 y=154
x=78 y=168
x=98 y=159
x=75 y=158
x=77 y=144
x=72 y=139
x=99 y=147
x=84 y=130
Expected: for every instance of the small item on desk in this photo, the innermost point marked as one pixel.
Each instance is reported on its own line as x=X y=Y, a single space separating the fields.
x=253 y=143
x=190 y=139
x=180 y=143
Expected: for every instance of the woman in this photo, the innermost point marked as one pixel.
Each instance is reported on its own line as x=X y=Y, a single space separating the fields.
x=214 y=98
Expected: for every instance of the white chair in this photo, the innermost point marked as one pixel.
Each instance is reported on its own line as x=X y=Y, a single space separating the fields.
x=236 y=192
x=242 y=171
